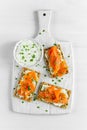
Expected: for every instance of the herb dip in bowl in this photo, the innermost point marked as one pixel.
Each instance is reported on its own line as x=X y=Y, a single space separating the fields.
x=28 y=53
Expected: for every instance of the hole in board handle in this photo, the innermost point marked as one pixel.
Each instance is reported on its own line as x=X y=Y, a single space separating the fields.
x=44 y=14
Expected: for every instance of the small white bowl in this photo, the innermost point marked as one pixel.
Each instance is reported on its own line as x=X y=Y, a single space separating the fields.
x=21 y=63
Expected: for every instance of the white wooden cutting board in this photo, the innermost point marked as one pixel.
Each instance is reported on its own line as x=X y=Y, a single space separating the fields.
x=44 y=37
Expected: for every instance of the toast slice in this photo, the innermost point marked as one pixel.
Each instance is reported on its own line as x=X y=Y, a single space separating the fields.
x=27 y=84
x=54 y=95
x=55 y=61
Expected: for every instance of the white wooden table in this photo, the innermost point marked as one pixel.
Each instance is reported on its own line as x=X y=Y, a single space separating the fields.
x=18 y=21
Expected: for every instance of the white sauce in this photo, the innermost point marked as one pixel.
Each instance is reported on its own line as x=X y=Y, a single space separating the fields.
x=28 y=53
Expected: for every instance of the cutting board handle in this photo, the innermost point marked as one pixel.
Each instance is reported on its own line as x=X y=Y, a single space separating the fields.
x=44 y=17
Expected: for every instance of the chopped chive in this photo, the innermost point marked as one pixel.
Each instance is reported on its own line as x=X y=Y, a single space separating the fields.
x=43 y=30
x=22 y=101
x=46 y=110
x=13 y=88
x=35 y=94
x=68 y=56
x=55 y=44
x=55 y=83
x=25 y=60
x=33 y=45
x=38 y=106
x=26 y=45
x=23 y=46
x=40 y=49
x=39 y=33
x=43 y=45
x=33 y=56
x=52 y=80
x=15 y=78
x=29 y=88
x=17 y=66
x=45 y=75
x=44 y=66
x=34 y=98
x=31 y=59
x=21 y=53
x=23 y=57
x=59 y=80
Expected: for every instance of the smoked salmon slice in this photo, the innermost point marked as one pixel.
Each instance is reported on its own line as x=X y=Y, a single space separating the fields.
x=55 y=61
x=54 y=95
x=27 y=84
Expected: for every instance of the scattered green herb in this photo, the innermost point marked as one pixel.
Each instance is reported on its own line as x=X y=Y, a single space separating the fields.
x=33 y=56
x=33 y=45
x=59 y=80
x=23 y=57
x=22 y=101
x=25 y=60
x=38 y=106
x=35 y=97
x=52 y=80
x=55 y=44
x=31 y=60
x=55 y=83
x=43 y=45
x=15 y=78
x=29 y=88
x=40 y=49
x=23 y=46
x=21 y=53
x=44 y=66
x=68 y=56
x=46 y=110
x=17 y=66
x=45 y=75
x=39 y=33
x=43 y=30
x=13 y=88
